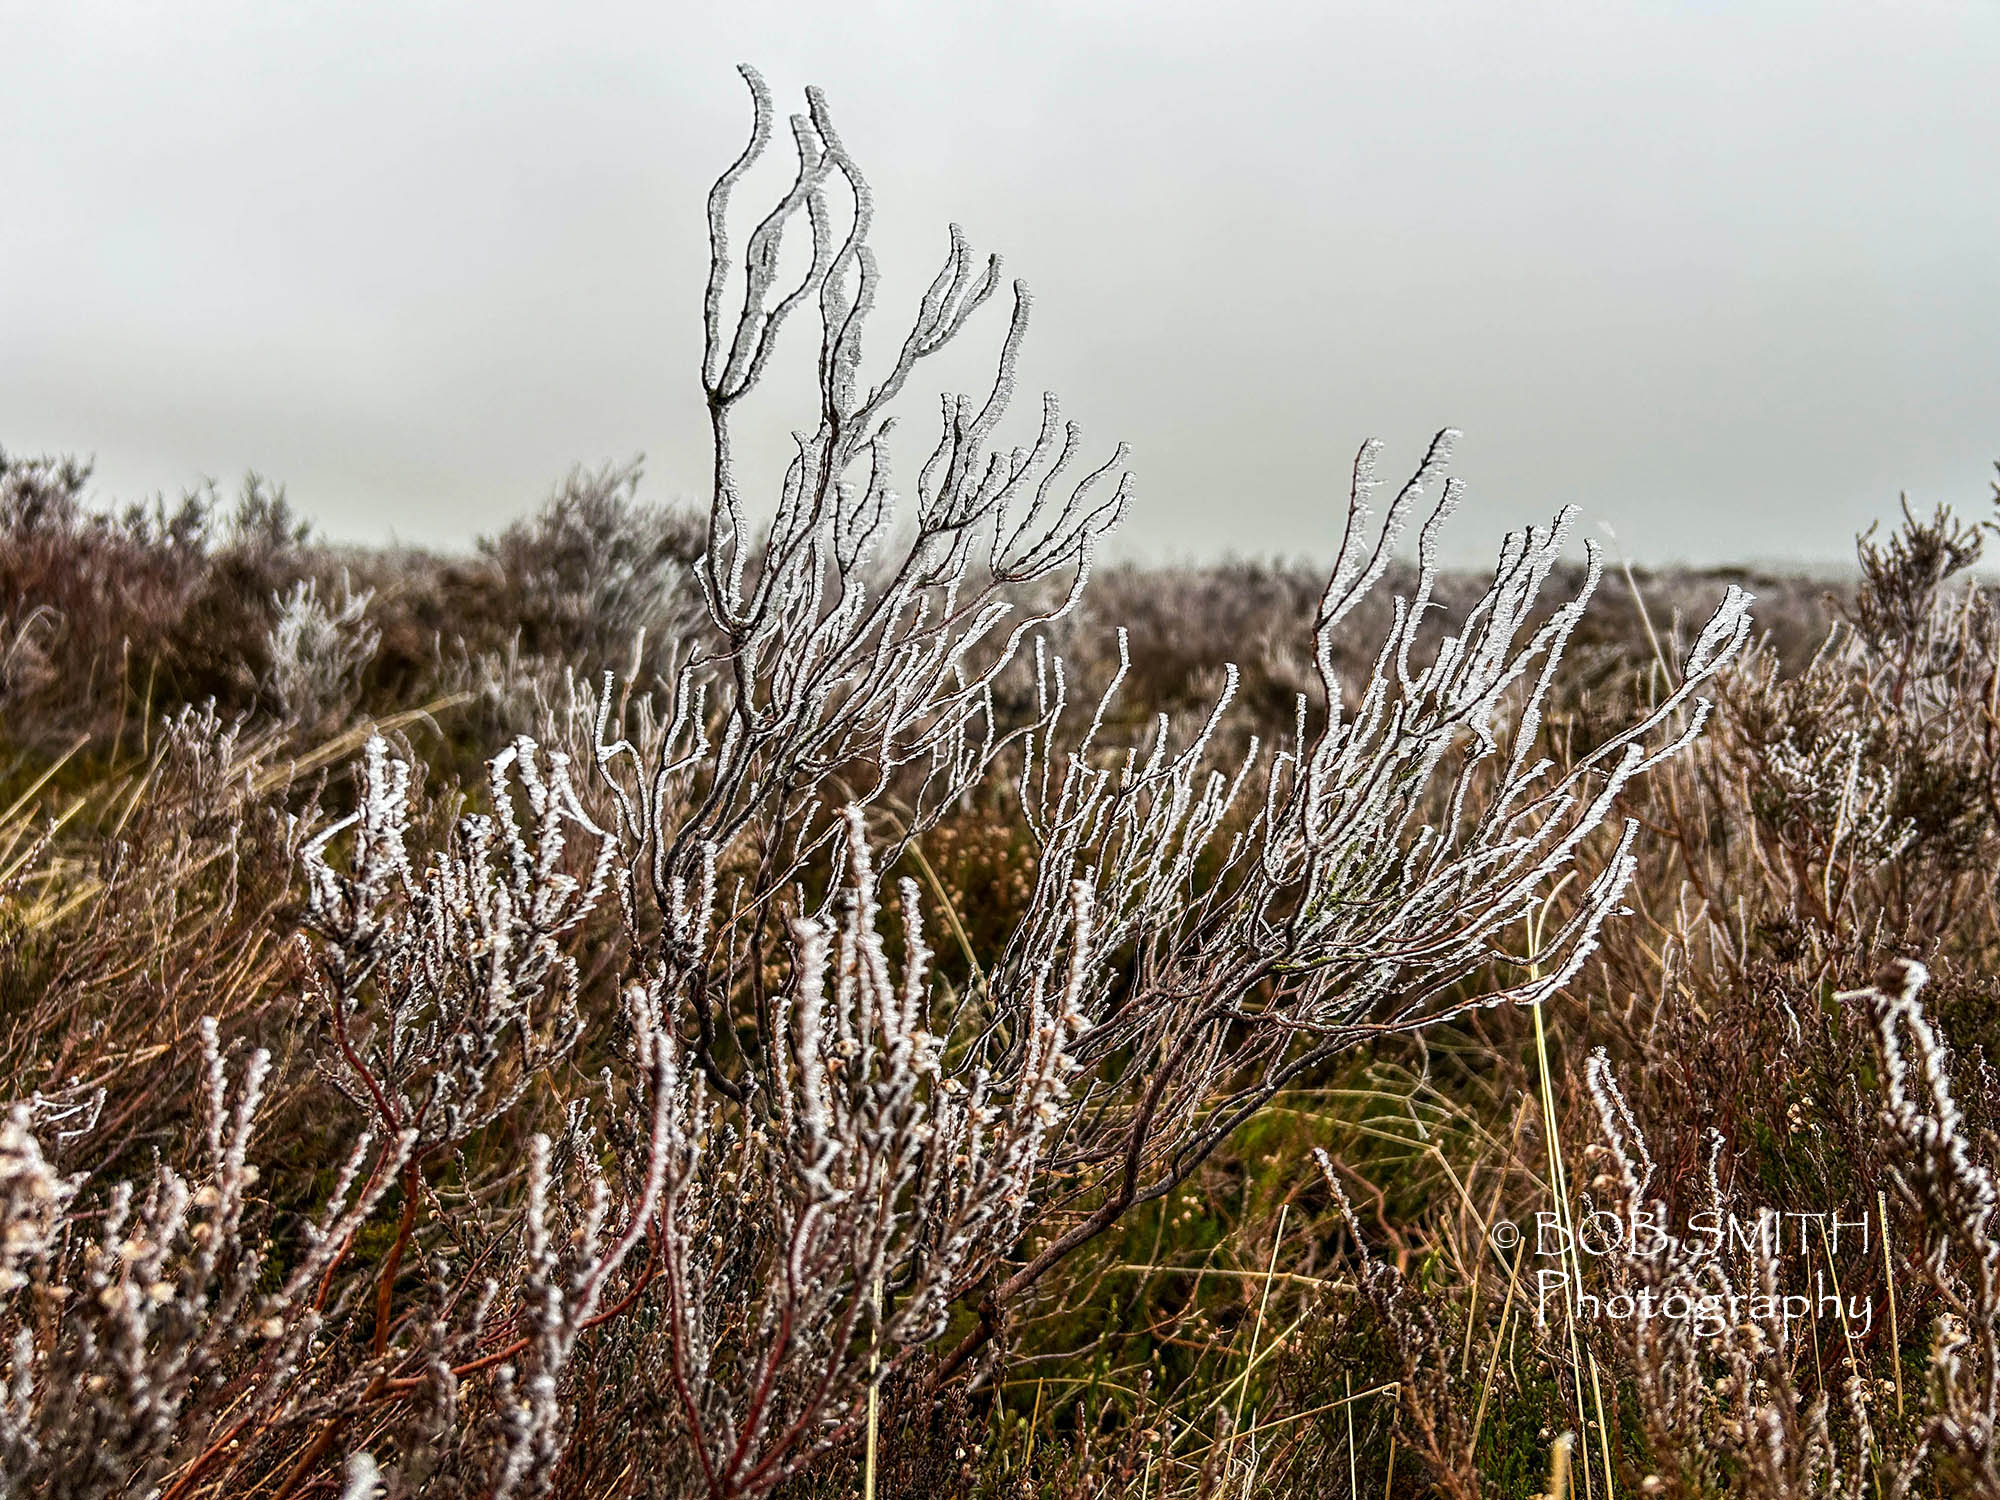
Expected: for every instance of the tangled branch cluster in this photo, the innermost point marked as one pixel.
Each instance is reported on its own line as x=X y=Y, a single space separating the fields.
x=638 y=1066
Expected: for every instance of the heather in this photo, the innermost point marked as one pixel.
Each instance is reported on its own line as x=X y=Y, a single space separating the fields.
x=844 y=990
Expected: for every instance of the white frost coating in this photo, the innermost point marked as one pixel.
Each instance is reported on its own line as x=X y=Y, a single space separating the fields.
x=428 y=977
x=824 y=1123
x=317 y=650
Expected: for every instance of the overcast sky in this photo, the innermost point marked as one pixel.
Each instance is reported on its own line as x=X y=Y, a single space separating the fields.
x=1726 y=275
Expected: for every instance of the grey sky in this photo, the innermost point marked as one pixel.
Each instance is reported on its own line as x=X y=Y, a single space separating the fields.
x=1727 y=275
